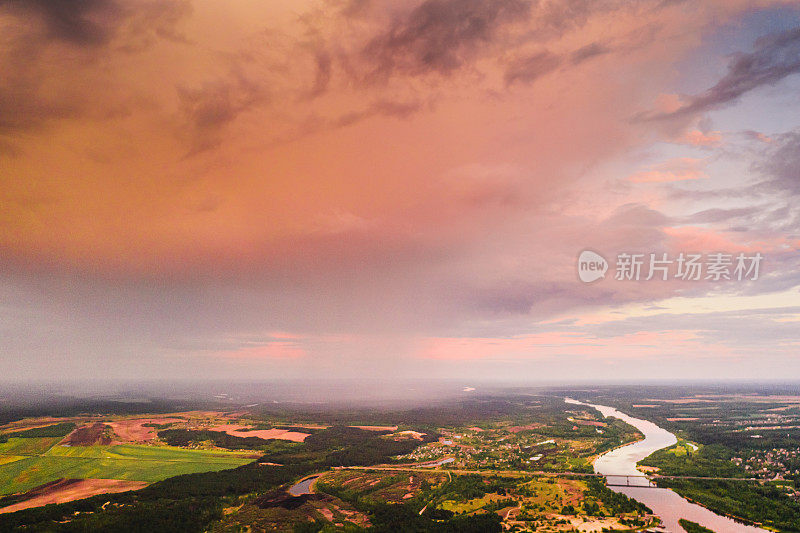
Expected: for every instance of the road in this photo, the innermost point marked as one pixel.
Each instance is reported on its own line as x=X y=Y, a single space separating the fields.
x=654 y=477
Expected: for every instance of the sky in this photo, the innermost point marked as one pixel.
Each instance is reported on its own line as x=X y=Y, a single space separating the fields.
x=391 y=189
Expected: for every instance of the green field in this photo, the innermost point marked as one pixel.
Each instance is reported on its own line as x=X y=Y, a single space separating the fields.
x=21 y=446
x=26 y=463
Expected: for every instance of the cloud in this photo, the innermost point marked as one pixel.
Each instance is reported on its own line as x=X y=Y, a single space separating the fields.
x=386 y=169
x=55 y=49
x=716 y=214
x=439 y=36
x=679 y=169
x=528 y=69
x=209 y=108
x=74 y=21
x=702 y=139
x=781 y=164
x=587 y=52
x=775 y=57
x=323 y=75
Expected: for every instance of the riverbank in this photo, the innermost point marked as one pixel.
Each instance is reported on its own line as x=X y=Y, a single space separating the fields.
x=665 y=503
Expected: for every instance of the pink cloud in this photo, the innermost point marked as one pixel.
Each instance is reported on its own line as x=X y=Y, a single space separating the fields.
x=694 y=239
x=705 y=140
x=678 y=169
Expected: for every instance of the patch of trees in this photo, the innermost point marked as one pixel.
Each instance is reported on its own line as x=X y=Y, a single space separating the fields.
x=187 y=437
x=60 y=407
x=766 y=504
x=345 y=446
x=182 y=503
x=190 y=502
x=615 y=502
x=521 y=408
x=710 y=461
x=392 y=518
x=471 y=486
x=54 y=430
x=693 y=527
x=144 y=516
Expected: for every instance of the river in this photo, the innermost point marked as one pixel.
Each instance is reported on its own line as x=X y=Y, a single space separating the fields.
x=665 y=503
x=304 y=486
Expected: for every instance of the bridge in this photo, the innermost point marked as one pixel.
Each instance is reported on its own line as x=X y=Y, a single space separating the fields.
x=612 y=480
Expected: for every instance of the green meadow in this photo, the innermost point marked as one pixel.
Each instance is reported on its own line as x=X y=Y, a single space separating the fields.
x=28 y=462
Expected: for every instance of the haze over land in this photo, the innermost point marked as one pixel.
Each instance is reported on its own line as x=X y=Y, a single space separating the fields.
x=336 y=189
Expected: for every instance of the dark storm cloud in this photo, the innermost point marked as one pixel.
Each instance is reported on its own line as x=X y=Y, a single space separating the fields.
x=529 y=69
x=440 y=35
x=73 y=21
x=41 y=62
x=775 y=57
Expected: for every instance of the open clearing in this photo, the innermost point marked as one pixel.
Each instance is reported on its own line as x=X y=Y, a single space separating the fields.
x=74 y=489
x=39 y=461
x=238 y=430
x=134 y=430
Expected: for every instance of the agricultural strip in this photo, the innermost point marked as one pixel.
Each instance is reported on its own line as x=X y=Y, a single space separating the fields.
x=44 y=463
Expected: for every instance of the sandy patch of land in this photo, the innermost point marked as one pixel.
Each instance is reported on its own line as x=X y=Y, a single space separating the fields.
x=644 y=405
x=281 y=434
x=412 y=434
x=67 y=490
x=592 y=525
x=682 y=419
x=134 y=430
x=647 y=469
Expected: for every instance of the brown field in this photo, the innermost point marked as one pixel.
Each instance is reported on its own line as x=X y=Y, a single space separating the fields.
x=282 y=434
x=591 y=423
x=134 y=430
x=66 y=490
x=377 y=428
x=87 y=436
x=529 y=427
x=683 y=419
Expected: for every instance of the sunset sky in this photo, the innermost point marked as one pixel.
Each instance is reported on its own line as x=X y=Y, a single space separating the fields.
x=353 y=188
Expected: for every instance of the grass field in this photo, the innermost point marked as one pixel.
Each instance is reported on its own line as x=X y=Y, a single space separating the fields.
x=21 y=446
x=27 y=463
